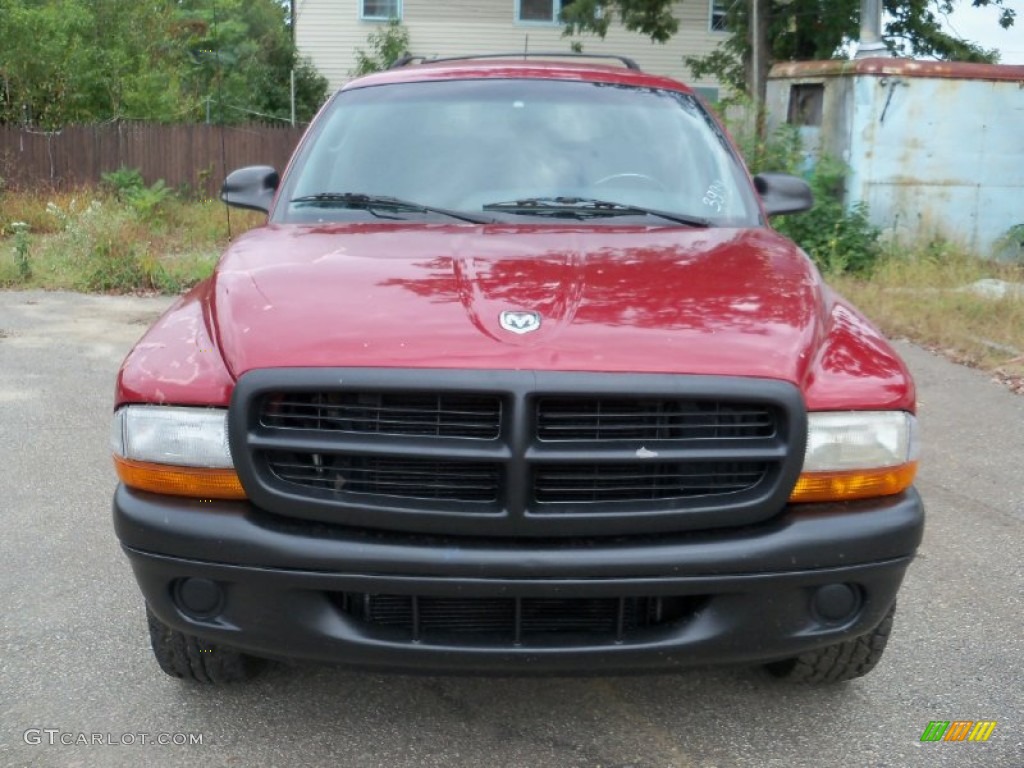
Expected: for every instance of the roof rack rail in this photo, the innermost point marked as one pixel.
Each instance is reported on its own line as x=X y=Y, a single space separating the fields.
x=408 y=58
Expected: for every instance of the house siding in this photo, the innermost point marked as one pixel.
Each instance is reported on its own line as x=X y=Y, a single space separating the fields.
x=330 y=32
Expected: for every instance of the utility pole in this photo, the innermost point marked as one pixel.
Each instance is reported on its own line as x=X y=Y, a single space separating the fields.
x=871 y=43
x=757 y=75
x=293 y=97
x=755 y=53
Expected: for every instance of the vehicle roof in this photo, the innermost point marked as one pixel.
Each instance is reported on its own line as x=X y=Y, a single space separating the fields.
x=511 y=68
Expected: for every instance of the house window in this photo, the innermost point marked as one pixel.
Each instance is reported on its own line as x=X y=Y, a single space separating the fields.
x=380 y=10
x=719 y=10
x=540 y=11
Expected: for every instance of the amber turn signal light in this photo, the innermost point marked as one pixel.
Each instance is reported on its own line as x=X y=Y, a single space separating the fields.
x=856 y=484
x=196 y=482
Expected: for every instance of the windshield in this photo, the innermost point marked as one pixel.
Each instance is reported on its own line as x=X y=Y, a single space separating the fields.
x=476 y=146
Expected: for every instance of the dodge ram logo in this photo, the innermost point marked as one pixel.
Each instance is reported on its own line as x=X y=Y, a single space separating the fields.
x=520 y=322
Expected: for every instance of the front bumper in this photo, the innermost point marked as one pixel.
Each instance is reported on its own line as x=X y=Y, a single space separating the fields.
x=753 y=593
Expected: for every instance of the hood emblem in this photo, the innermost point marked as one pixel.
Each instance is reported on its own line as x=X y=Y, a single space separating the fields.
x=520 y=322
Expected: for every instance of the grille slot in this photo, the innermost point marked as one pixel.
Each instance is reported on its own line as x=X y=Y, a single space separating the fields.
x=407 y=478
x=415 y=414
x=516 y=620
x=622 y=418
x=600 y=482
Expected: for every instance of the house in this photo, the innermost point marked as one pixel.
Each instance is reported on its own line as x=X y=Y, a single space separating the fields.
x=330 y=31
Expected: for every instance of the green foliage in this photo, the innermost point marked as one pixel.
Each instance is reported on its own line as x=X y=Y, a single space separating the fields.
x=123 y=182
x=21 y=248
x=147 y=201
x=242 y=55
x=653 y=18
x=839 y=239
x=90 y=239
x=777 y=151
x=1010 y=246
x=387 y=43
x=114 y=265
x=802 y=30
x=129 y=187
x=80 y=61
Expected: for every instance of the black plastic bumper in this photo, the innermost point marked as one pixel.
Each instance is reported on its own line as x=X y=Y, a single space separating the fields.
x=755 y=588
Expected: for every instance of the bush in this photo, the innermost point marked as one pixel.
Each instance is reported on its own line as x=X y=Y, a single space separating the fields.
x=387 y=44
x=129 y=187
x=123 y=182
x=838 y=239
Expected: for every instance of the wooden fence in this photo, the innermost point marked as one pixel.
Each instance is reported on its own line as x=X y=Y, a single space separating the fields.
x=196 y=156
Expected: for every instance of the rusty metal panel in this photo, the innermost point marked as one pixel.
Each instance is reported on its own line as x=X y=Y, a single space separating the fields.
x=934 y=155
x=956 y=70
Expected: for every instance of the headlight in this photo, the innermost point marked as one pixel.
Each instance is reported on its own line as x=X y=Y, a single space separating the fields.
x=175 y=450
x=857 y=454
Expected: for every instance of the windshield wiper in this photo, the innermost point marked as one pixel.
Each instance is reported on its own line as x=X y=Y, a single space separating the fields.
x=585 y=207
x=373 y=202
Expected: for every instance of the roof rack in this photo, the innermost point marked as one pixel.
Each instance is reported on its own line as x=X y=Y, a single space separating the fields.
x=408 y=58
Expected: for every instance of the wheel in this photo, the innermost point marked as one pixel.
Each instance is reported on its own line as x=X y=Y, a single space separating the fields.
x=194 y=659
x=839 y=662
x=631 y=177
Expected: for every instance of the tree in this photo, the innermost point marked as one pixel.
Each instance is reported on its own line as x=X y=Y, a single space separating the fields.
x=86 y=60
x=796 y=30
x=816 y=29
x=243 y=56
x=75 y=61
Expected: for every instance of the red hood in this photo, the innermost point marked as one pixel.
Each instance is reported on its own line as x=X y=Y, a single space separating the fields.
x=704 y=301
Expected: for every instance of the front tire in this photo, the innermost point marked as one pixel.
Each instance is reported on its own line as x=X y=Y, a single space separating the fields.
x=191 y=658
x=840 y=662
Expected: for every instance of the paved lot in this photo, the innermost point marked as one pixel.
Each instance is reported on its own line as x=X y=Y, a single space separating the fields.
x=74 y=654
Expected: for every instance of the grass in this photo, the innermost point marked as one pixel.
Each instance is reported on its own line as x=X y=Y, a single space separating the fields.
x=923 y=296
x=88 y=239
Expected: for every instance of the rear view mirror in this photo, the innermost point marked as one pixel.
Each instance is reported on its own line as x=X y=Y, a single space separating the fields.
x=782 y=193
x=252 y=187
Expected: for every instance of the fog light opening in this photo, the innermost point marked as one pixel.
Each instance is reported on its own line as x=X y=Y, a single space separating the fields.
x=836 y=603
x=198 y=598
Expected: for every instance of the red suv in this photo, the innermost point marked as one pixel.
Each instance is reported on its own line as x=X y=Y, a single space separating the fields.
x=516 y=378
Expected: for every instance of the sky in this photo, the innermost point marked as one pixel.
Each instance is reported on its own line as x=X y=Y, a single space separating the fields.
x=980 y=25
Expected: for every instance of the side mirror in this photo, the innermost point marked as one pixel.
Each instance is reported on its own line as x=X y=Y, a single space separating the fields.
x=782 y=193
x=252 y=187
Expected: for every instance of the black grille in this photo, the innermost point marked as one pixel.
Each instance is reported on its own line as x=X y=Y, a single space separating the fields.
x=416 y=414
x=516 y=453
x=632 y=418
x=411 y=478
x=596 y=482
x=516 y=620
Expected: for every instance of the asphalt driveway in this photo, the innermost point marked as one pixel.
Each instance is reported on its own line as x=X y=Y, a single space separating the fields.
x=75 y=664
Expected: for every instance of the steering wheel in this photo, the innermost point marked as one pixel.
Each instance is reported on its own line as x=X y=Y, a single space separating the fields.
x=640 y=177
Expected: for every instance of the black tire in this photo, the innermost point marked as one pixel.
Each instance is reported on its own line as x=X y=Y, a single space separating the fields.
x=840 y=662
x=191 y=658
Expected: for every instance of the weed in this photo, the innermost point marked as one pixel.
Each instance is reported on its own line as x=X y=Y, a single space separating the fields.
x=838 y=238
x=21 y=247
x=155 y=241
x=147 y=201
x=1010 y=246
x=925 y=294
x=124 y=181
